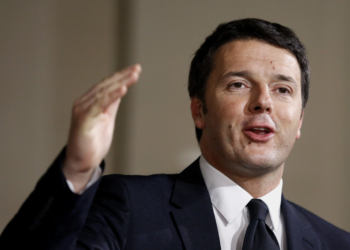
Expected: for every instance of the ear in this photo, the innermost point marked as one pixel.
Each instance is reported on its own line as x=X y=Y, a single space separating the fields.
x=197 y=112
x=300 y=124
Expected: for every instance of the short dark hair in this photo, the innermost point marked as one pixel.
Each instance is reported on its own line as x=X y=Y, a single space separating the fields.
x=244 y=29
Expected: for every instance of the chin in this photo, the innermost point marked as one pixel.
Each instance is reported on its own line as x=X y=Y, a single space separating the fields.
x=260 y=164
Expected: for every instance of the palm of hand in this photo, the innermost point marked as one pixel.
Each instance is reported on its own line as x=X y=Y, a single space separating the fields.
x=93 y=121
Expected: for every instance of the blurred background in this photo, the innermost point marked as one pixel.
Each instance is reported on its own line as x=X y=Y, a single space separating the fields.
x=52 y=51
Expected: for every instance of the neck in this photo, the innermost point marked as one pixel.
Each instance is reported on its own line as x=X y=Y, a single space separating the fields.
x=256 y=183
x=260 y=185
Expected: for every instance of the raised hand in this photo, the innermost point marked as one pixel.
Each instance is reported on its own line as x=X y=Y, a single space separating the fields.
x=92 y=125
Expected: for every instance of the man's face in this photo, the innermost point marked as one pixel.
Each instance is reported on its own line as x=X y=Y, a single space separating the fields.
x=254 y=108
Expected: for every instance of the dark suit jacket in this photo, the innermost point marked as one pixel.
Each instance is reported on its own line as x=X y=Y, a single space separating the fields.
x=142 y=212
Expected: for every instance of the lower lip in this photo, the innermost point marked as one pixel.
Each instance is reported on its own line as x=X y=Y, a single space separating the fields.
x=259 y=137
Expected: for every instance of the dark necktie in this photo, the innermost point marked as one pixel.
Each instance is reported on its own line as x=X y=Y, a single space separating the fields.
x=258 y=235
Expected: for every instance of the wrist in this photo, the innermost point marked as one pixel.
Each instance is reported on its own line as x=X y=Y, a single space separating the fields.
x=78 y=175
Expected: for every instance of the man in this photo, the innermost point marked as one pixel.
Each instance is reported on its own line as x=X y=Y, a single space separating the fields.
x=249 y=86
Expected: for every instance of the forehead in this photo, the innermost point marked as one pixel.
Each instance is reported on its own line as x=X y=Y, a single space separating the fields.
x=257 y=57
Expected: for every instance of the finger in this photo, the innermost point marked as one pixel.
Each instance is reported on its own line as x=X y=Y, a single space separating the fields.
x=114 y=79
x=103 y=100
x=113 y=94
x=100 y=101
x=119 y=77
x=112 y=109
x=128 y=78
x=112 y=97
x=116 y=91
x=121 y=74
x=109 y=94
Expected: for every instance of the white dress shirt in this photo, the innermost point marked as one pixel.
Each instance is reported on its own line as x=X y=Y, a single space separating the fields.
x=229 y=202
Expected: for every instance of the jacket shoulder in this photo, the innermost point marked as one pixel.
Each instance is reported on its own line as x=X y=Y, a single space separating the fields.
x=138 y=190
x=139 y=183
x=329 y=234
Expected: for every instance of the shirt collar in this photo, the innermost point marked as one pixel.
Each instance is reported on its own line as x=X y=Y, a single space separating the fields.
x=230 y=199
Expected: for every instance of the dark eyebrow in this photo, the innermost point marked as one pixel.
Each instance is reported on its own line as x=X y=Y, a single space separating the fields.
x=236 y=73
x=285 y=78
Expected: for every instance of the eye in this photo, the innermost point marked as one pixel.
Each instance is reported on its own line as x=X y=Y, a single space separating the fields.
x=237 y=85
x=283 y=90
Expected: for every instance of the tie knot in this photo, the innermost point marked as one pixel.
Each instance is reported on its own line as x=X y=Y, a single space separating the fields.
x=257 y=209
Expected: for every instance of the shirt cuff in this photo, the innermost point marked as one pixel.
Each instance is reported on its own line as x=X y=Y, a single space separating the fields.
x=94 y=177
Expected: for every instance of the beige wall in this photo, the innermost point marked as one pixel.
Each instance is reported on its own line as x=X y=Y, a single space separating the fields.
x=52 y=51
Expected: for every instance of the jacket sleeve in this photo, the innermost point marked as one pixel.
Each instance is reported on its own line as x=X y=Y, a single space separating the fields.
x=53 y=217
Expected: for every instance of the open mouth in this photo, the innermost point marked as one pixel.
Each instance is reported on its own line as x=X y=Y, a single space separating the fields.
x=259 y=134
x=260 y=131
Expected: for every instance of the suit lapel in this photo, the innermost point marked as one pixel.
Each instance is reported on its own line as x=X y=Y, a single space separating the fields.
x=194 y=217
x=299 y=233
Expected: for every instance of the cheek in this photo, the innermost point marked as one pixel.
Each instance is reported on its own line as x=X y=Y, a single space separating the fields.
x=230 y=114
x=289 y=120
x=225 y=112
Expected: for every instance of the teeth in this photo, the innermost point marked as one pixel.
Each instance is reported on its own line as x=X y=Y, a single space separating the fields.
x=261 y=129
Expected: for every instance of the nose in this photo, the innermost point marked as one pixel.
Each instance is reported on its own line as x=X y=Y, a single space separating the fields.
x=261 y=100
